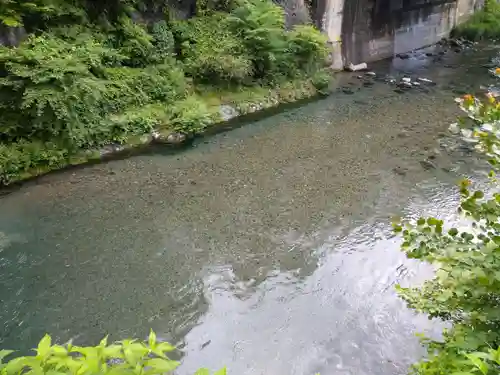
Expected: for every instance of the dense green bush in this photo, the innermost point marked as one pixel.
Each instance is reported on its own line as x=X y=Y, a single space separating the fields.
x=49 y=88
x=55 y=89
x=107 y=77
x=124 y=357
x=484 y=24
x=308 y=47
x=15 y=13
x=211 y=52
x=276 y=53
x=260 y=24
x=190 y=115
x=20 y=158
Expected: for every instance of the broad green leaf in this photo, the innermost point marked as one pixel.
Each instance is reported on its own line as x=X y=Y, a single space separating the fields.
x=222 y=371
x=202 y=371
x=16 y=365
x=152 y=339
x=44 y=346
x=165 y=347
x=162 y=365
x=104 y=341
x=4 y=353
x=113 y=351
x=11 y=22
x=478 y=362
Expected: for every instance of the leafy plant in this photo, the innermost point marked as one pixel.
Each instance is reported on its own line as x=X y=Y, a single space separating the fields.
x=466 y=287
x=309 y=47
x=13 y=13
x=190 y=116
x=261 y=26
x=484 y=24
x=163 y=41
x=119 y=358
x=211 y=52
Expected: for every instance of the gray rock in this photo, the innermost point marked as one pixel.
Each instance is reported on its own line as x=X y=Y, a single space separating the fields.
x=227 y=112
x=399 y=171
x=405 y=85
x=403 y=56
x=370 y=74
x=176 y=138
x=406 y=79
x=424 y=80
x=427 y=164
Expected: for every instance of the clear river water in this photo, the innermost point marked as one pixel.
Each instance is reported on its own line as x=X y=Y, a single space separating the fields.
x=266 y=248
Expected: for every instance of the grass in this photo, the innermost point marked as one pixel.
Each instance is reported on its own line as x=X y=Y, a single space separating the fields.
x=483 y=25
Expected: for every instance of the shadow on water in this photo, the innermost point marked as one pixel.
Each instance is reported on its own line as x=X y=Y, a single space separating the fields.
x=265 y=249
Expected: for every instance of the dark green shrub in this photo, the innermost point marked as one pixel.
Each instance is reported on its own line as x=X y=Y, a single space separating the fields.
x=190 y=116
x=18 y=159
x=54 y=89
x=308 y=46
x=133 y=40
x=482 y=25
x=49 y=87
x=321 y=80
x=163 y=41
x=34 y=14
x=204 y=7
x=260 y=24
x=163 y=82
x=211 y=52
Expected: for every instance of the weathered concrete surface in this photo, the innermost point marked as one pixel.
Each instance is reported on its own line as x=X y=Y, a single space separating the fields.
x=371 y=30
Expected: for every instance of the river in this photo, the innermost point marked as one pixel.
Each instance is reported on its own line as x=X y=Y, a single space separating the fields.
x=266 y=248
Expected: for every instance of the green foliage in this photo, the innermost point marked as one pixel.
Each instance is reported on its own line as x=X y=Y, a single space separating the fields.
x=190 y=116
x=308 y=47
x=211 y=52
x=133 y=40
x=80 y=86
x=204 y=7
x=119 y=358
x=50 y=89
x=56 y=89
x=321 y=80
x=276 y=53
x=484 y=24
x=466 y=287
x=163 y=40
x=261 y=26
x=18 y=159
x=13 y=13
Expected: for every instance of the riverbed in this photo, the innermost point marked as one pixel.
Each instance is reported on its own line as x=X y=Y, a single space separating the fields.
x=266 y=248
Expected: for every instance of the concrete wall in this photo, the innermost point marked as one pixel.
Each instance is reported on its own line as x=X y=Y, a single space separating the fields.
x=370 y=30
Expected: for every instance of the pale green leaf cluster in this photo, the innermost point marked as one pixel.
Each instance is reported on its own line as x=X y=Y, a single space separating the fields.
x=465 y=290
x=126 y=357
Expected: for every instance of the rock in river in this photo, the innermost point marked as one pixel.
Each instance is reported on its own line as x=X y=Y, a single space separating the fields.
x=427 y=164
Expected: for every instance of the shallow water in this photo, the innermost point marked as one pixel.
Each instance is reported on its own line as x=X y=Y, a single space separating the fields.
x=267 y=248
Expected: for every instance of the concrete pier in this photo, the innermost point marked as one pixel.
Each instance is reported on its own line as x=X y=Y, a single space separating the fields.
x=370 y=30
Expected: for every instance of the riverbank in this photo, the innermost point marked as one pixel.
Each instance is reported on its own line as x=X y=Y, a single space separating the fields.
x=89 y=82
x=219 y=108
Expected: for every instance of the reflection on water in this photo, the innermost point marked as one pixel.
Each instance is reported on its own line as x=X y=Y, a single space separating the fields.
x=265 y=249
